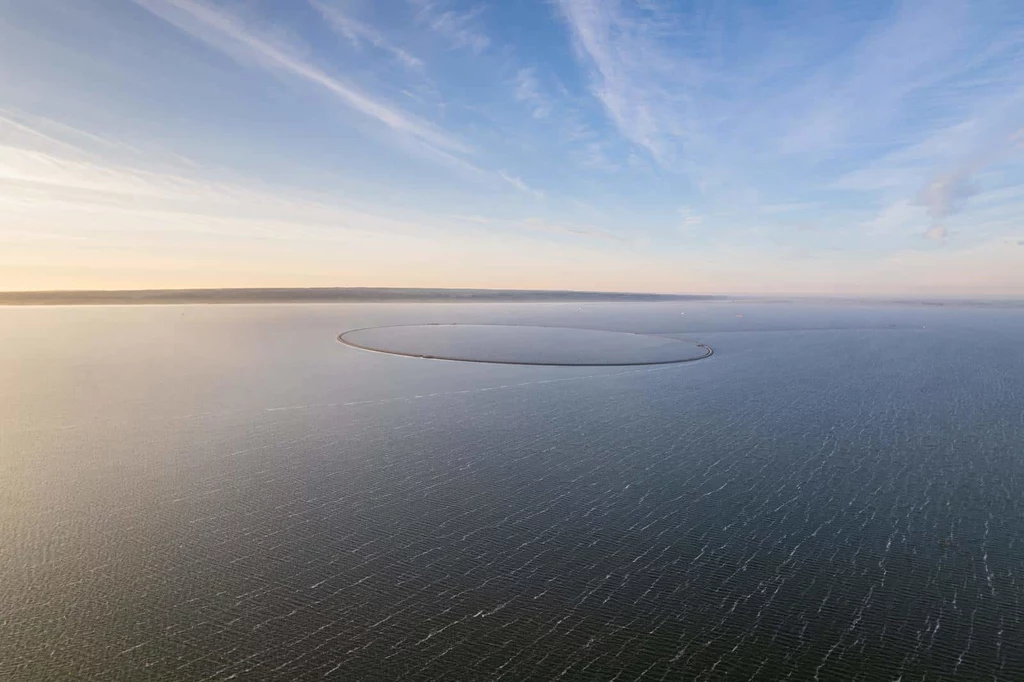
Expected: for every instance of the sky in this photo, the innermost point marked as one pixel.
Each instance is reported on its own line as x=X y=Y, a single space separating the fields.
x=809 y=147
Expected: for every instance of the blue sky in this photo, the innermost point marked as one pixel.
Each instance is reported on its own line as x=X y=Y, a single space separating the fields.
x=793 y=147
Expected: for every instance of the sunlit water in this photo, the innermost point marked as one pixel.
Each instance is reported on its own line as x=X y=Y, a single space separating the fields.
x=201 y=492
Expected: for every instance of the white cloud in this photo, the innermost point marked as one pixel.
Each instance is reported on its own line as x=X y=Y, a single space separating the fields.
x=473 y=218
x=932 y=84
x=790 y=207
x=230 y=35
x=851 y=101
x=688 y=219
x=527 y=90
x=628 y=67
x=190 y=227
x=947 y=195
x=537 y=224
x=594 y=155
x=458 y=28
x=40 y=183
x=39 y=178
x=575 y=230
x=898 y=218
x=880 y=129
x=520 y=185
x=26 y=130
x=358 y=32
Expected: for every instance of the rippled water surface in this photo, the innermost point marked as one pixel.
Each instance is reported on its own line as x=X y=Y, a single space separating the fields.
x=214 y=492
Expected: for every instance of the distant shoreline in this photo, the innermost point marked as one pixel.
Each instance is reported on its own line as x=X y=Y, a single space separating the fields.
x=327 y=295
x=415 y=295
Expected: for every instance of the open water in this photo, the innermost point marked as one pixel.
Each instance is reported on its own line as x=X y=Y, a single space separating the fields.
x=227 y=492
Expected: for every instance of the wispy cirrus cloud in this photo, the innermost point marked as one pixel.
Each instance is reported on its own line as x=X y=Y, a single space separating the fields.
x=641 y=85
x=572 y=229
x=460 y=29
x=527 y=91
x=538 y=224
x=45 y=177
x=688 y=219
x=140 y=228
x=232 y=36
x=358 y=33
x=939 y=172
x=520 y=185
x=40 y=182
x=894 y=60
x=20 y=129
x=900 y=217
x=593 y=155
x=676 y=80
x=904 y=103
x=949 y=193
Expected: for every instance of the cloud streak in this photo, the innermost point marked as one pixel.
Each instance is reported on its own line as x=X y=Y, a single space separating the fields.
x=771 y=88
x=357 y=33
x=538 y=224
x=527 y=90
x=647 y=89
x=948 y=194
x=45 y=174
x=520 y=185
x=231 y=36
x=574 y=230
x=458 y=28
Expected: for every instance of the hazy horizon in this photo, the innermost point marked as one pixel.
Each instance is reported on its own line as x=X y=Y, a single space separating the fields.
x=578 y=145
x=382 y=294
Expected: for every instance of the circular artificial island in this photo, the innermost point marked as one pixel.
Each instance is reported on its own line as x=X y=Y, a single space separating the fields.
x=523 y=345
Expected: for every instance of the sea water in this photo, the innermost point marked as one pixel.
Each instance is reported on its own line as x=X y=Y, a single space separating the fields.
x=201 y=492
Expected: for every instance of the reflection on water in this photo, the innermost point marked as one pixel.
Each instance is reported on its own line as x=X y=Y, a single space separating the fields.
x=201 y=492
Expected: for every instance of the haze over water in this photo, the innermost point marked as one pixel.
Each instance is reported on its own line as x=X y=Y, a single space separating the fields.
x=201 y=492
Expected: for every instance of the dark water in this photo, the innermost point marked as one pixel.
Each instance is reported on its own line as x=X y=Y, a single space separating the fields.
x=222 y=492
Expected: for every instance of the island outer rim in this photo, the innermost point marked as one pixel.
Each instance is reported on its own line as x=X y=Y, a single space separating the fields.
x=341 y=338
